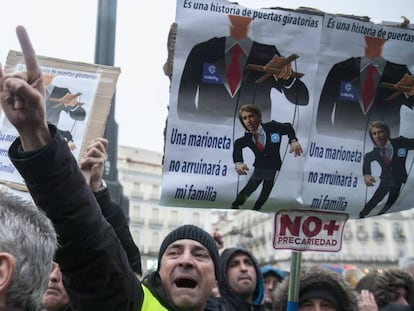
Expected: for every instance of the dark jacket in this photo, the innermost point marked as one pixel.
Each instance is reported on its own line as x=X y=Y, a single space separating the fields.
x=230 y=299
x=395 y=307
x=65 y=308
x=94 y=265
x=116 y=217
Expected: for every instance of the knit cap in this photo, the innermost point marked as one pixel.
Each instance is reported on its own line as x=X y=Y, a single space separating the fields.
x=194 y=233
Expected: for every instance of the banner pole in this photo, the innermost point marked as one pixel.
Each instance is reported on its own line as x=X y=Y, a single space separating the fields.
x=293 y=293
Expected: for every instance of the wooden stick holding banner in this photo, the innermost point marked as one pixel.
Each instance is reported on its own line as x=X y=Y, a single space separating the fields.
x=305 y=230
x=293 y=292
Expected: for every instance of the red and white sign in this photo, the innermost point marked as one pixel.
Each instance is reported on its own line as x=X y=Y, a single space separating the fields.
x=304 y=230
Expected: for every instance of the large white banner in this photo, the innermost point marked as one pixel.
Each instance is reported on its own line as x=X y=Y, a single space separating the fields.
x=324 y=102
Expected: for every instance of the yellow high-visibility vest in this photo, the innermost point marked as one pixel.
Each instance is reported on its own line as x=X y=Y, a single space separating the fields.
x=151 y=303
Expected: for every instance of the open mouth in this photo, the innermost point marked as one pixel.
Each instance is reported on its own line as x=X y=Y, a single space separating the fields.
x=186 y=283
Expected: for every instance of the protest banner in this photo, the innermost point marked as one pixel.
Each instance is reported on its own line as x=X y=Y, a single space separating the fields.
x=322 y=100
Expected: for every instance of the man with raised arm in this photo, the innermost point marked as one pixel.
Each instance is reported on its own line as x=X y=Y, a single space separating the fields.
x=95 y=268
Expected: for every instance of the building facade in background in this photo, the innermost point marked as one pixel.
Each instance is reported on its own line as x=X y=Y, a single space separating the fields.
x=371 y=243
x=368 y=243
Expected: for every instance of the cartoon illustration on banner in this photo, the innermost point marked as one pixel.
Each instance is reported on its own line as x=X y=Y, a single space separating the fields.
x=217 y=78
x=61 y=99
x=327 y=77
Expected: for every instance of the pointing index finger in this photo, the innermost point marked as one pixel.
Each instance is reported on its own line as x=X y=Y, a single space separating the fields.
x=29 y=54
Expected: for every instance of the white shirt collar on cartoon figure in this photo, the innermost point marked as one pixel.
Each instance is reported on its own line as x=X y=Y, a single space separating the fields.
x=245 y=43
x=379 y=63
x=262 y=135
x=260 y=130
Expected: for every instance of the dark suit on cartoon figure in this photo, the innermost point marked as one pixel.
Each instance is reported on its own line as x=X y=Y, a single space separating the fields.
x=204 y=93
x=53 y=109
x=266 y=163
x=391 y=155
x=340 y=111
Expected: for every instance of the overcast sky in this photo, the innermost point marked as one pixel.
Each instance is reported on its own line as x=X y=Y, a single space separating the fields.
x=66 y=29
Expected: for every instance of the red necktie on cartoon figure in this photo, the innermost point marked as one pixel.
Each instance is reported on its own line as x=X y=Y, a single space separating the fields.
x=257 y=142
x=368 y=87
x=233 y=71
x=385 y=158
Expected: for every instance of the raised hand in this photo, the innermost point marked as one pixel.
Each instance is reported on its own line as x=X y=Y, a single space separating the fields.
x=92 y=164
x=408 y=82
x=296 y=148
x=22 y=98
x=67 y=100
x=369 y=180
x=285 y=72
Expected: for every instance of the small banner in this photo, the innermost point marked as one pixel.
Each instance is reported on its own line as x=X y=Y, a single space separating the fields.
x=78 y=100
x=304 y=230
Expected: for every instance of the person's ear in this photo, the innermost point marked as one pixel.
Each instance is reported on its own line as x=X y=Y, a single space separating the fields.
x=7 y=267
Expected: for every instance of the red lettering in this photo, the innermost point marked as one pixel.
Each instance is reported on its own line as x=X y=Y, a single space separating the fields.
x=286 y=223
x=331 y=227
x=307 y=224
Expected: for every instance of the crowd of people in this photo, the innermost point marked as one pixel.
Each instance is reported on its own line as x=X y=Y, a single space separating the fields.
x=72 y=249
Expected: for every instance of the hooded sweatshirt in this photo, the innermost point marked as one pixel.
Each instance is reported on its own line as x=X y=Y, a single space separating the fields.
x=228 y=297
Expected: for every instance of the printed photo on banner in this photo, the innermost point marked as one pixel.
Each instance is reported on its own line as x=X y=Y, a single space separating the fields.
x=77 y=101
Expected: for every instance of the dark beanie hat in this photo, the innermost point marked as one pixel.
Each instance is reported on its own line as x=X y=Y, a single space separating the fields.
x=194 y=233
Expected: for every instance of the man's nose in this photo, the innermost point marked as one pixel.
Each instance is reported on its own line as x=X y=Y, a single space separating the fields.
x=187 y=259
x=55 y=277
x=316 y=307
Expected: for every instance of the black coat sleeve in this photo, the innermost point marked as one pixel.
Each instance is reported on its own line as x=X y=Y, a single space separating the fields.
x=95 y=268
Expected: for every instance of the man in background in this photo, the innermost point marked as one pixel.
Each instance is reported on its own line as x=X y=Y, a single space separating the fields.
x=55 y=298
x=240 y=283
x=93 y=262
x=27 y=245
x=319 y=289
x=272 y=277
